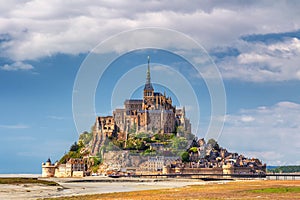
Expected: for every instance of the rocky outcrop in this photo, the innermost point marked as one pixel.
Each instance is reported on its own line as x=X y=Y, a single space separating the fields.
x=122 y=159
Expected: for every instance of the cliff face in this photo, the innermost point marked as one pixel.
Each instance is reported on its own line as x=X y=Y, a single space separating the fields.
x=97 y=141
x=122 y=159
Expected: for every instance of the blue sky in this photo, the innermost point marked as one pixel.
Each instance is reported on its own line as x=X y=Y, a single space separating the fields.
x=255 y=46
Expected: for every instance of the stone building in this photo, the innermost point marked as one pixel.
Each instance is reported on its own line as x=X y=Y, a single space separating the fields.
x=64 y=170
x=74 y=167
x=215 y=160
x=155 y=113
x=48 y=169
x=157 y=163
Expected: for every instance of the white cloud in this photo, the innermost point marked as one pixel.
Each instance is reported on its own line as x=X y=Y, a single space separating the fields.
x=14 y=126
x=260 y=62
x=56 y=117
x=273 y=137
x=16 y=66
x=247 y=119
x=44 y=28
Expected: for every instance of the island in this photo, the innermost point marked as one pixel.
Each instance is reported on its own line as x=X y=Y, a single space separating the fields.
x=148 y=136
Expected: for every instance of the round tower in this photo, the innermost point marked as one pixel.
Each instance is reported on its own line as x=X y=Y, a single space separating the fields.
x=48 y=169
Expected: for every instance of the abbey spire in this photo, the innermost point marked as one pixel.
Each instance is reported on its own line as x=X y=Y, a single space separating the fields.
x=148 y=85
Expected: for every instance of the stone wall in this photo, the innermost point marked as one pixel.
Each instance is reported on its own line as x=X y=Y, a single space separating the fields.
x=177 y=170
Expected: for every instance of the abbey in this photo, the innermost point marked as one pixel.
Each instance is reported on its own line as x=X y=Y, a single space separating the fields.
x=155 y=113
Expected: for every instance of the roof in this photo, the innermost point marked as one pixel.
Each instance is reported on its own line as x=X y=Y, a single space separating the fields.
x=148 y=86
x=155 y=111
x=133 y=101
x=158 y=94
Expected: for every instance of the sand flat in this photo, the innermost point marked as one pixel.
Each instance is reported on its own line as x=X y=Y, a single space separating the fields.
x=67 y=188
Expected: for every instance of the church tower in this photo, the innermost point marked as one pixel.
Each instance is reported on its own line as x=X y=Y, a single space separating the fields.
x=148 y=89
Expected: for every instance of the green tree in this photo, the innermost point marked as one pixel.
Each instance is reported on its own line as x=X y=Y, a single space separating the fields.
x=64 y=159
x=119 y=143
x=81 y=144
x=140 y=145
x=179 y=143
x=185 y=157
x=86 y=137
x=130 y=145
x=149 y=152
x=74 y=147
x=194 y=149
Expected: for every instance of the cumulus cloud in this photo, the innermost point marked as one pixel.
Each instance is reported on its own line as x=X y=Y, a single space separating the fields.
x=16 y=66
x=270 y=133
x=43 y=28
x=35 y=29
x=262 y=62
x=247 y=119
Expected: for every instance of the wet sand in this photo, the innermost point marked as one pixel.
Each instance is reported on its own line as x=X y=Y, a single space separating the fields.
x=89 y=185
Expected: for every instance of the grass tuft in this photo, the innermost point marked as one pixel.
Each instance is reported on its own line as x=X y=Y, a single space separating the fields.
x=27 y=181
x=277 y=190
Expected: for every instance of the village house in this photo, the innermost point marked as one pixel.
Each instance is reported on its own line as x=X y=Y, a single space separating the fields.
x=72 y=168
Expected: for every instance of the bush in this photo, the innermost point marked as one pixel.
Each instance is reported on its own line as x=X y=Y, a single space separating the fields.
x=95 y=168
x=64 y=159
x=179 y=143
x=74 y=147
x=194 y=149
x=96 y=161
x=185 y=157
x=86 y=137
x=149 y=152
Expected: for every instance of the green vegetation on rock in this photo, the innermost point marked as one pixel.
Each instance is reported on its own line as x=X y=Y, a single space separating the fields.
x=185 y=157
x=194 y=149
x=86 y=137
x=76 y=151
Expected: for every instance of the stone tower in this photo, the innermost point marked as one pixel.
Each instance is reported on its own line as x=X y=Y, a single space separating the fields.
x=48 y=169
